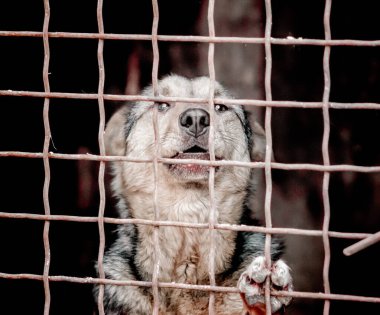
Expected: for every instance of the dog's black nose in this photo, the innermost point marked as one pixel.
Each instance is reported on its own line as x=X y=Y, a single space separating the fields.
x=195 y=121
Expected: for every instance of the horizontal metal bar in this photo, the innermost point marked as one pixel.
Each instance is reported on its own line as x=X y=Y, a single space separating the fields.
x=370 y=240
x=218 y=226
x=134 y=98
x=197 y=39
x=259 y=165
x=173 y=285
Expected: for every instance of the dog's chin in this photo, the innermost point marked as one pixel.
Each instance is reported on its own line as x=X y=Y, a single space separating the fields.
x=191 y=172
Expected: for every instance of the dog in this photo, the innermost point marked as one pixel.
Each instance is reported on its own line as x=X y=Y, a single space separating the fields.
x=183 y=196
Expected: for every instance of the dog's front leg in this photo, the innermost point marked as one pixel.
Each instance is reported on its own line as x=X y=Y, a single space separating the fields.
x=252 y=281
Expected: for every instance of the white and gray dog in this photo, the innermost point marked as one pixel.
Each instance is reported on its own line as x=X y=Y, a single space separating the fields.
x=183 y=195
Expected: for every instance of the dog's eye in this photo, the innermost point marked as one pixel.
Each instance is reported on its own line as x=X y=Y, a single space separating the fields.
x=163 y=107
x=221 y=108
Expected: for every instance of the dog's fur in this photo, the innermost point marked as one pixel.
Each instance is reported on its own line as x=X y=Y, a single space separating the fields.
x=183 y=195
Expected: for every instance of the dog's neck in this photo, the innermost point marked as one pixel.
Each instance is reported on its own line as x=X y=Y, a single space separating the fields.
x=187 y=204
x=177 y=201
x=185 y=256
x=185 y=249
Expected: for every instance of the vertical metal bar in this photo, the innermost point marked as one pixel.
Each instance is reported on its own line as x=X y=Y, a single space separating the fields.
x=268 y=149
x=156 y=235
x=212 y=214
x=325 y=153
x=46 y=157
x=102 y=151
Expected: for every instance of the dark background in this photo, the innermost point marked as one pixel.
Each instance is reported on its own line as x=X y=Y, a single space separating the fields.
x=297 y=75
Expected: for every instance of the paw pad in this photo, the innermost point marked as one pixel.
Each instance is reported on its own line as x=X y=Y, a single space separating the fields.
x=251 y=284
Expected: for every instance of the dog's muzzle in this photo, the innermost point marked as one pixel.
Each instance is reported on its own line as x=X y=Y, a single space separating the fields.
x=194 y=124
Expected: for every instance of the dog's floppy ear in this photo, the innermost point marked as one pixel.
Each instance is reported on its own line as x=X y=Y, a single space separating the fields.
x=114 y=136
x=259 y=142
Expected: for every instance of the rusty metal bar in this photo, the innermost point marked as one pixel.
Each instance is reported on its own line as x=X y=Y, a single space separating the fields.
x=219 y=226
x=245 y=102
x=268 y=149
x=207 y=288
x=211 y=184
x=370 y=240
x=156 y=235
x=45 y=74
x=198 y=39
x=326 y=157
x=274 y=165
x=102 y=193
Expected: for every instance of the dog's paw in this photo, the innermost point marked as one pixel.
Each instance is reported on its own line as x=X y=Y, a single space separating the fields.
x=252 y=280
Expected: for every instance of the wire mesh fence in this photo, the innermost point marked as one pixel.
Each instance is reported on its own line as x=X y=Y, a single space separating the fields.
x=268 y=165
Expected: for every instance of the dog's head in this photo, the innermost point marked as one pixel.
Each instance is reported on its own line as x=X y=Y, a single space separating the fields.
x=184 y=130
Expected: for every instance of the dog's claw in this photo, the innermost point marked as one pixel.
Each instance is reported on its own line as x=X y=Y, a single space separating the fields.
x=251 y=284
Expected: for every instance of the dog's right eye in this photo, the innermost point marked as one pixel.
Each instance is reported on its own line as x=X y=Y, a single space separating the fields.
x=163 y=107
x=221 y=108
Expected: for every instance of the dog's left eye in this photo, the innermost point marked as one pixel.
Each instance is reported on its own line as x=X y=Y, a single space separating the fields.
x=163 y=107
x=221 y=108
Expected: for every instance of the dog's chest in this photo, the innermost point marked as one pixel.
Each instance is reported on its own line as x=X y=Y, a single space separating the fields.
x=190 y=256
x=184 y=252
x=184 y=255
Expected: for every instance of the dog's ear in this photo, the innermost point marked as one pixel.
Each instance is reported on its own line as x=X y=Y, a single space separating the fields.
x=114 y=136
x=259 y=143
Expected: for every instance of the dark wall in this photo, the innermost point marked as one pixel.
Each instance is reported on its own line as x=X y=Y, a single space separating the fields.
x=355 y=77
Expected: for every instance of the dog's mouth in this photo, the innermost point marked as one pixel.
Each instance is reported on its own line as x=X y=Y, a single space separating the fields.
x=195 y=152
x=192 y=169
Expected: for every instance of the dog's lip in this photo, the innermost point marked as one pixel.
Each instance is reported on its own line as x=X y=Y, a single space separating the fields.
x=194 y=156
x=195 y=152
